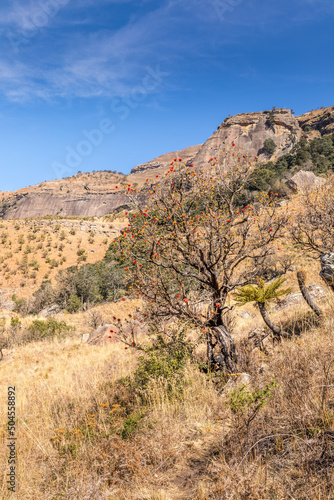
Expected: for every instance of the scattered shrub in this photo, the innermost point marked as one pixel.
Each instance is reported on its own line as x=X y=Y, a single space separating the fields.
x=47 y=329
x=74 y=304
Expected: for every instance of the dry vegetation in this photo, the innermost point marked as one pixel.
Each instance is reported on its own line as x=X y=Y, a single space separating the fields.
x=35 y=250
x=91 y=182
x=83 y=434
x=109 y=422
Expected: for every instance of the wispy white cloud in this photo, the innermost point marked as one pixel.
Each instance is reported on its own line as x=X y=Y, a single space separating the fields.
x=103 y=63
x=86 y=61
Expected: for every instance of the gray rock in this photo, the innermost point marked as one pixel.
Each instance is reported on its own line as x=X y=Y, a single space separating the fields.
x=85 y=337
x=8 y=305
x=35 y=204
x=52 y=310
x=327 y=268
x=237 y=381
x=316 y=292
x=304 y=181
x=244 y=314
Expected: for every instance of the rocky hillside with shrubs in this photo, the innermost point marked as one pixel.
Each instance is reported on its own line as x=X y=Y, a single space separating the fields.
x=214 y=375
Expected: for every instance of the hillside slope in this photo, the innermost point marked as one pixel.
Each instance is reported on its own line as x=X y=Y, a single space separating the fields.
x=98 y=193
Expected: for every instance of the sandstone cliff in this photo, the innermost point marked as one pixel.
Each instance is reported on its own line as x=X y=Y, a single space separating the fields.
x=86 y=194
x=187 y=155
x=249 y=132
x=97 y=193
x=32 y=205
x=320 y=120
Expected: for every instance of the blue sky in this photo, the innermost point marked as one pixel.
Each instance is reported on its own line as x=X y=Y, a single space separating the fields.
x=108 y=84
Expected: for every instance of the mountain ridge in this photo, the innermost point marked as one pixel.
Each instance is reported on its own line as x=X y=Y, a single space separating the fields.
x=98 y=193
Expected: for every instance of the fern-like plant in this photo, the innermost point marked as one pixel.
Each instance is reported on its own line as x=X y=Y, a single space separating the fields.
x=263 y=293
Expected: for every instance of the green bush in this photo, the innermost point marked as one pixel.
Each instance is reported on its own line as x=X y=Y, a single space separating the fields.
x=316 y=155
x=74 y=304
x=166 y=359
x=131 y=424
x=269 y=146
x=246 y=404
x=20 y=305
x=47 y=329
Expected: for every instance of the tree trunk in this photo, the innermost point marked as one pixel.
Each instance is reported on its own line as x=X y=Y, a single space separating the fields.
x=301 y=276
x=221 y=349
x=277 y=330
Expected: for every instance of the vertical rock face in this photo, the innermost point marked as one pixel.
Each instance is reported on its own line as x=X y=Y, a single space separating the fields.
x=40 y=204
x=249 y=132
x=320 y=120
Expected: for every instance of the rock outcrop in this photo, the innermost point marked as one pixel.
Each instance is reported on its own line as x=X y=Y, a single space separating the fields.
x=104 y=335
x=187 y=155
x=316 y=292
x=304 y=181
x=249 y=132
x=327 y=269
x=320 y=120
x=97 y=193
x=36 y=204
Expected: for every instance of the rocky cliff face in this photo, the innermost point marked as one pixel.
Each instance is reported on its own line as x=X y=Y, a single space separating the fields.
x=97 y=194
x=187 y=156
x=32 y=205
x=249 y=132
x=320 y=120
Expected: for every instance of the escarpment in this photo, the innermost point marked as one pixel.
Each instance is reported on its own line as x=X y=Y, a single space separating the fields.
x=33 y=205
x=264 y=134
x=249 y=132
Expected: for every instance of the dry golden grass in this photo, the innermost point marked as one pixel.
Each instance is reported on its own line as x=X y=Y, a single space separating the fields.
x=190 y=446
x=49 y=379
x=32 y=251
x=60 y=384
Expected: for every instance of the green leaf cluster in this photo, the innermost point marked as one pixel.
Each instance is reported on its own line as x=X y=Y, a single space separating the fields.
x=243 y=399
x=262 y=292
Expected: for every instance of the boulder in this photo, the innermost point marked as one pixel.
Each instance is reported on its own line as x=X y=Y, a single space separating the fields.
x=52 y=310
x=7 y=304
x=110 y=333
x=316 y=292
x=85 y=337
x=104 y=335
x=304 y=181
x=327 y=268
x=244 y=314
